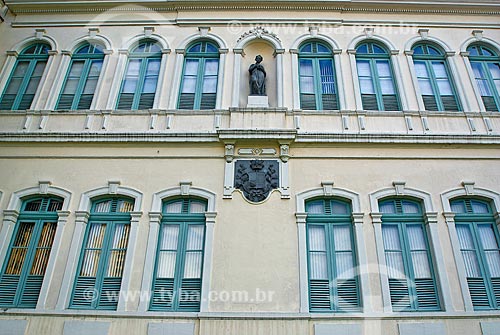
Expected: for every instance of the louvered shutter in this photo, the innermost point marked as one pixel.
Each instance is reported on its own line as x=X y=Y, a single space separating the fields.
x=85 y=101
x=329 y=101
x=489 y=104
x=110 y=293
x=369 y=102
x=65 y=101
x=430 y=103
x=163 y=293
x=307 y=101
x=400 y=294
x=390 y=102
x=125 y=101
x=146 y=101
x=8 y=289
x=7 y=101
x=427 y=297
x=449 y=102
x=190 y=295
x=319 y=295
x=186 y=101
x=208 y=100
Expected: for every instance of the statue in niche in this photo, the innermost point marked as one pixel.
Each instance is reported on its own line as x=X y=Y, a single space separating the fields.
x=257 y=77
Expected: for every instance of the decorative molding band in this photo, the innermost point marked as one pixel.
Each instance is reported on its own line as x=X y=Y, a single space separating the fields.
x=247 y=134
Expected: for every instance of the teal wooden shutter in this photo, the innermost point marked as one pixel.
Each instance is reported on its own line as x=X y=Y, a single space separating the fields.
x=480 y=248
x=179 y=262
x=140 y=82
x=29 y=251
x=200 y=77
x=333 y=281
x=409 y=264
x=100 y=271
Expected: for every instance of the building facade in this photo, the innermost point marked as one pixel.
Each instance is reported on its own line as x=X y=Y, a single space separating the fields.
x=143 y=190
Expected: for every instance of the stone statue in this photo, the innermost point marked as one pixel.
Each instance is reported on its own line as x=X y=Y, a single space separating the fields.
x=257 y=77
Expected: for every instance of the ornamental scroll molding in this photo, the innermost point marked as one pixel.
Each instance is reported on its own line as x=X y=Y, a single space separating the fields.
x=258 y=32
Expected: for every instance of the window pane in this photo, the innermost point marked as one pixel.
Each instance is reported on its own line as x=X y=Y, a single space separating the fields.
x=197 y=207
x=211 y=67
x=418 y=248
x=327 y=76
x=102 y=207
x=306 y=67
x=116 y=261
x=210 y=85
x=363 y=68
x=130 y=85
x=395 y=266
x=444 y=87
x=345 y=265
x=195 y=237
x=339 y=208
x=150 y=85
x=479 y=207
x=468 y=251
x=387 y=86
x=342 y=238
x=410 y=208
x=174 y=207
x=307 y=85
x=189 y=85
x=315 y=207
x=383 y=68
x=477 y=68
x=421 y=266
x=390 y=234
x=494 y=70
x=134 y=67
x=439 y=69
x=493 y=261
x=21 y=69
x=318 y=265
x=366 y=85
x=169 y=237
x=416 y=237
x=387 y=208
x=191 y=67
x=43 y=249
x=153 y=67
x=317 y=238
x=20 y=248
x=458 y=207
x=166 y=264
x=192 y=266
x=487 y=236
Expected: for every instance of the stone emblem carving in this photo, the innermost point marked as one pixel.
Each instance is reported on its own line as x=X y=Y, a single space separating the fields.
x=256 y=178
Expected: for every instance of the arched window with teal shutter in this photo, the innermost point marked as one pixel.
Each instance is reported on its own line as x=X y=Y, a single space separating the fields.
x=485 y=63
x=29 y=251
x=410 y=268
x=332 y=263
x=102 y=260
x=179 y=259
x=480 y=248
x=434 y=79
x=141 y=77
x=376 y=78
x=25 y=78
x=317 y=80
x=200 y=76
x=81 y=80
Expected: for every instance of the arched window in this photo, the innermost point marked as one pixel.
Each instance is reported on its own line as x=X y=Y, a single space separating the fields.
x=102 y=259
x=179 y=260
x=332 y=263
x=318 y=89
x=26 y=75
x=29 y=251
x=485 y=64
x=437 y=89
x=81 y=80
x=480 y=248
x=410 y=269
x=141 y=77
x=199 y=79
x=376 y=79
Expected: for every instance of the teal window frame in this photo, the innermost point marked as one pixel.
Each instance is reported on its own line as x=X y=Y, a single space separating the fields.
x=374 y=54
x=317 y=52
x=179 y=294
x=485 y=56
x=22 y=289
x=199 y=100
x=102 y=291
x=484 y=288
x=81 y=98
x=431 y=55
x=147 y=52
x=409 y=294
x=36 y=57
x=332 y=294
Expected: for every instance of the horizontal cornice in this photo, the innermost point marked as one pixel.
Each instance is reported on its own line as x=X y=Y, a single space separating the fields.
x=434 y=7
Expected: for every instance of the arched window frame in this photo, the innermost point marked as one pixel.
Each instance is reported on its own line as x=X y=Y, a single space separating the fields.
x=407 y=292
x=21 y=284
x=185 y=189
x=114 y=189
x=327 y=191
x=429 y=60
x=319 y=98
x=138 y=99
x=79 y=99
x=37 y=60
x=399 y=189
x=177 y=293
x=383 y=102
x=10 y=219
x=490 y=103
x=469 y=190
x=340 y=291
x=199 y=100
x=103 y=277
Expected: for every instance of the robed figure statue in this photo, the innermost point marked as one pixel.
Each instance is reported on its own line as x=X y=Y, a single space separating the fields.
x=257 y=77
